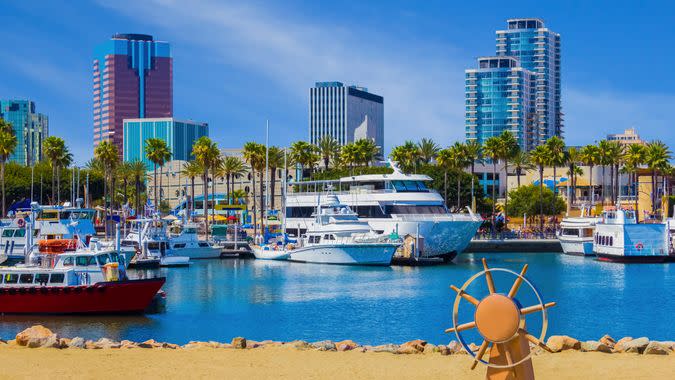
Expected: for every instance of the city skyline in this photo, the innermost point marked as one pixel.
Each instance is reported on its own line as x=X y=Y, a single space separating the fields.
x=413 y=55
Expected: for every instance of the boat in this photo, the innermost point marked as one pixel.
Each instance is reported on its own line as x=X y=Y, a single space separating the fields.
x=395 y=203
x=79 y=282
x=232 y=237
x=620 y=238
x=270 y=252
x=150 y=240
x=337 y=236
x=187 y=243
x=576 y=236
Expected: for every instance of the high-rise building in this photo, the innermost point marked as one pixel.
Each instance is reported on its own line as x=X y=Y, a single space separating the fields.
x=133 y=78
x=519 y=89
x=179 y=135
x=30 y=129
x=499 y=98
x=345 y=113
x=538 y=50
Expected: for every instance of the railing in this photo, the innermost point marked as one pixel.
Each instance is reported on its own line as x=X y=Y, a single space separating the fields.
x=435 y=217
x=548 y=233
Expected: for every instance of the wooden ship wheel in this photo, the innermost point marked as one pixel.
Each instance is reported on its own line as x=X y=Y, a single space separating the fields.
x=500 y=320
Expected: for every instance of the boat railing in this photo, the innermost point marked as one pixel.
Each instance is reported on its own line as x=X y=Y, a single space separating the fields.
x=435 y=217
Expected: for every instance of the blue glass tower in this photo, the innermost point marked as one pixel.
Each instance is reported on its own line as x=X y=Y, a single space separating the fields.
x=30 y=129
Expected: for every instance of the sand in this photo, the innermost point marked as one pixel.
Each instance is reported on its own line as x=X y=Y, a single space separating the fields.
x=288 y=363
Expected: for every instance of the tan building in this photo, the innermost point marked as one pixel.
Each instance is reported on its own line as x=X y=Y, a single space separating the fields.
x=628 y=137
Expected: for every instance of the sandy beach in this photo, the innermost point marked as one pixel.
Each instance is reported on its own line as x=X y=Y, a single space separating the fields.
x=284 y=362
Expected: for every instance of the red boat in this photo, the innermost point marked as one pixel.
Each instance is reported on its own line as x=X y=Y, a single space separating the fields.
x=130 y=296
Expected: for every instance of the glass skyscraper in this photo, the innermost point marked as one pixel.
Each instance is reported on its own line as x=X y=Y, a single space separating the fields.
x=179 y=135
x=30 y=129
x=520 y=93
x=133 y=78
x=345 y=113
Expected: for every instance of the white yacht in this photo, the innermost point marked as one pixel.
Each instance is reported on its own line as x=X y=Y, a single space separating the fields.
x=391 y=203
x=187 y=243
x=337 y=236
x=149 y=238
x=576 y=235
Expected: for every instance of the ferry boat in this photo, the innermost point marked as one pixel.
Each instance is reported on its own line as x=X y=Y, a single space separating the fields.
x=391 y=203
x=619 y=238
x=80 y=282
x=337 y=236
x=576 y=236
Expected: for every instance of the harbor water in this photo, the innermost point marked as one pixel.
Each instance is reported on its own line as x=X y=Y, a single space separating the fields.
x=220 y=299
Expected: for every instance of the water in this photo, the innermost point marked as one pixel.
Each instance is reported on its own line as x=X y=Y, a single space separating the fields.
x=220 y=299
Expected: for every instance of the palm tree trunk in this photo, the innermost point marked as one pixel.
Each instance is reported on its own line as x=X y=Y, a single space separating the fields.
x=53 y=183
x=191 y=204
x=138 y=195
x=459 y=185
x=155 y=186
x=518 y=174
x=161 y=174
x=255 y=209
x=227 y=188
x=653 y=191
x=506 y=193
x=2 y=178
x=636 y=184
x=590 y=184
x=611 y=182
x=206 y=201
x=58 y=185
x=494 y=197
x=604 y=194
x=555 y=188
x=213 y=194
x=273 y=177
x=445 y=186
x=105 y=204
x=541 y=199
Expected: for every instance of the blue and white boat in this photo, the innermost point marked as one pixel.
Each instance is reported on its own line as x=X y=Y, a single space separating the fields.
x=576 y=235
x=620 y=238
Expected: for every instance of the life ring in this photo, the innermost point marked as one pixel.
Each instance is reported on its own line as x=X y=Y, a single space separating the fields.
x=639 y=246
x=21 y=222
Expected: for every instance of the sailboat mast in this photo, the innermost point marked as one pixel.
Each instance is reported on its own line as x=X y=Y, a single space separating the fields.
x=283 y=193
x=267 y=176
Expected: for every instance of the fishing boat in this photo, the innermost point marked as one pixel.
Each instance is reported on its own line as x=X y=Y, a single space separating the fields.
x=576 y=236
x=150 y=240
x=337 y=236
x=620 y=238
x=271 y=252
x=187 y=243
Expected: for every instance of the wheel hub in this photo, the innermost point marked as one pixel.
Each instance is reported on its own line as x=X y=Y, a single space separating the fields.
x=497 y=318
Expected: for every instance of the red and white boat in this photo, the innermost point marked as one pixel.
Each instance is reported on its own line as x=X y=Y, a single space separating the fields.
x=79 y=282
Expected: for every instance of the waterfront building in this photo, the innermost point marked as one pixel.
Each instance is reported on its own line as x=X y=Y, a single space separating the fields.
x=133 y=78
x=628 y=137
x=499 y=98
x=179 y=135
x=30 y=129
x=347 y=113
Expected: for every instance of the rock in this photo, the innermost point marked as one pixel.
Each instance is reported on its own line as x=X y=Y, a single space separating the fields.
x=64 y=342
x=195 y=344
x=657 y=348
x=252 y=344
x=150 y=343
x=128 y=344
x=239 y=342
x=299 y=345
x=559 y=343
x=594 y=346
x=51 y=342
x=430 y=348
x=226 y=345
x=324 y=345
x=635 y=346
x=444 y=350
x=105 y=343
x=412 y=347
x=346 y=345
x=618 y=346
x=90 y=345
x=391 y=348
x=608 y=341
x=455 y=347
x=171 y=346
x=35 y=336
x=76 y=342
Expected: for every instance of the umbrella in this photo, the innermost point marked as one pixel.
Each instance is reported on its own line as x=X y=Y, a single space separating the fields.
x=170 y=217
x=231 y=217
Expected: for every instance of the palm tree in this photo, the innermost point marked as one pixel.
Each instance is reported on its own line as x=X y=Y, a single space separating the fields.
x=366 y=151
x=124 y=172
x=304 y=154
x=254 y=154
x=191 y=169
x=428 y=150
x=137 y=170
x=444 y=159
x=590 y=155
x=205 y=152
x=572 y=157
x=275 y=161
x=521 y=162
x=157 y=151
x=615 y=159
x=604 y=148
x=8 y=144
x=657 y=157
x=556 y=147
x=63 y=161
x=106 y=154
x=54 y=148
x=407 y=156
x=508 y=148
x=541 y=156
x=492 y=149
x=232 y=167
x=349 y=155
x=459 y=162
x=473 y=150
x=329 y=149
x=216 y=172
x=239 y=194
x=635 y=156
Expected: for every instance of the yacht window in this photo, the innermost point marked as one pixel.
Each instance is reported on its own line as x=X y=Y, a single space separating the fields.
x=56 y=278
x=314 y=239
x=328 y=237
x=371 y=212
x=153 y=245
x=7 y=232
x=587 y=232
x=11 y=278
x=611 y=240
x=300 y=212
x=102 y=259
x=190 y=230
x=178 y=246
x=570 y=232
x=415 y=209
x=68 y=261
x=26 y=278
x=129 y=243
x=41 y=278
x=203 y=244
x=20 y=233
x=83 y=261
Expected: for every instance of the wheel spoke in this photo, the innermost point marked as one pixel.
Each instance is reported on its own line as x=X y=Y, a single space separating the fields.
x=507 y=354
x=516 y=284
x=532 y=309
x=465 y=295
x=488 y=277
x=481 y=351
x=462 y=327
x=534 y=340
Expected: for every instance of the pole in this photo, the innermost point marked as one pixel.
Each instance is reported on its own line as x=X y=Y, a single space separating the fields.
x=86 y=193
x=32 y=180
x=263 y=212
x=283 y=194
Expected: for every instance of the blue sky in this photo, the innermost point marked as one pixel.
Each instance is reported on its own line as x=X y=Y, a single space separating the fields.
x=239 y=63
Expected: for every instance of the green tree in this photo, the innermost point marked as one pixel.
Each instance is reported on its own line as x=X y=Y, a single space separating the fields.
x=191 y=169
x=428 y=150
x=521 y=163
x=329 y=149
x=304 y=154
x=366 y=151
x=508 y=148
x=604 y=148
x=407 y=156
x=254 y=154
x=541 y=157
x=590 y=156
x=657 y=157
x=275 y=161
x=205 y=152
x=634 y=158
x=349 y=155
x=158 y=152
x=232 y=168
x=492 y=149
x=556 y=146
x=572 y=158
x=137 y=170
x=532 y=201
x=474 y=154
x=54 y=148
x=106 y=154
x=7 y=146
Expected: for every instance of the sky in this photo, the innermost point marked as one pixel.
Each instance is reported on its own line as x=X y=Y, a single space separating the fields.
x=238 y=64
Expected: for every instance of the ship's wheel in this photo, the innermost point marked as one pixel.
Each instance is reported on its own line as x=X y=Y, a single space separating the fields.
x=500 y=320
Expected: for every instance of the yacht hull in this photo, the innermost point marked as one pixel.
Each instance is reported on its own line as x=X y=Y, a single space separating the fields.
x=270 y=254
x=132 y=296
x=197 y=253
x=633 y=259
x=346 y=254
x=577 y=248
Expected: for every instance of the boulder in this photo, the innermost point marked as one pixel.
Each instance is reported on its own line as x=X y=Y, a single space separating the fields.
x=239 y=342
x=346 y=345
x=36 y=336
x=195 y=344
x=76 y=342
x=228 y=345
x=455 y=347
x=324 y=345
x=657 y=348
x=595 y=346
x=253 y=344
x=635 y=346
x=52 y=342
x=150 y=343
x=171 y=346
x=128 y=344
x=618 y=346
x=608 y=341
x=299 y=345
x=559 y=343
x=64 y=342
x=444 y=350
x=390 y=348
x=430 y=348
x=91 y=345
x=412 y=347
x=105 y=343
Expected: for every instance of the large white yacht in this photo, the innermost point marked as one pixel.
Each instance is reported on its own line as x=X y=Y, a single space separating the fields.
x=391 y=203
x=576 y=235
x=187 y=243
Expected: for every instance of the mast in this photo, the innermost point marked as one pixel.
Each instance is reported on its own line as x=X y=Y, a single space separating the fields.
x=263 y=214
x=283 y=195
